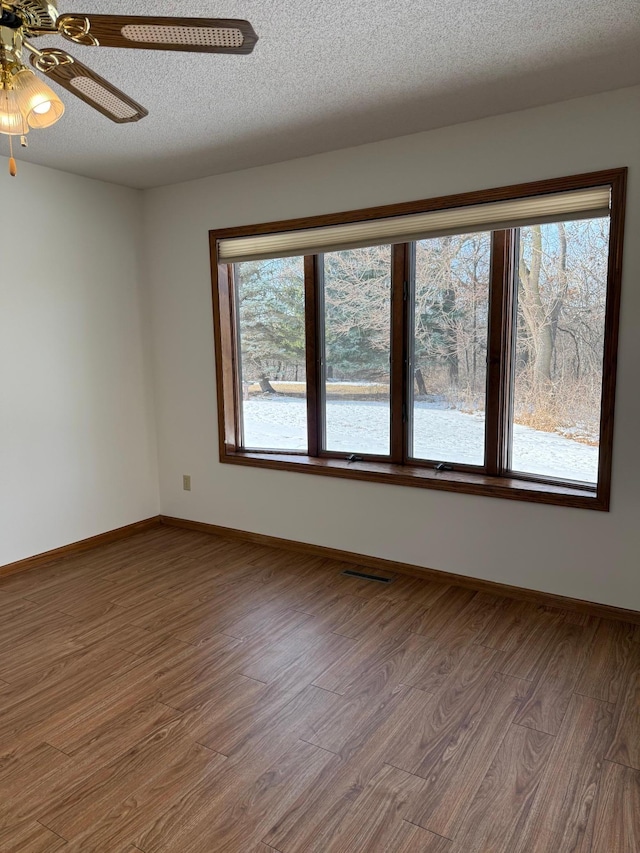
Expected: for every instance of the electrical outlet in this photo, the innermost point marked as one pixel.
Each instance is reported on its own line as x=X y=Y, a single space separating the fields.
x=186 y=482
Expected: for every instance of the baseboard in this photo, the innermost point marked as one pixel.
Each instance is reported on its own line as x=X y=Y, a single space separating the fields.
x=82 y=545
x=379 y=564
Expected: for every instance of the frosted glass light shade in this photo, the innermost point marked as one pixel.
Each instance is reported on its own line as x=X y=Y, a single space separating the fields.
x=39 y=104
x=12 y=122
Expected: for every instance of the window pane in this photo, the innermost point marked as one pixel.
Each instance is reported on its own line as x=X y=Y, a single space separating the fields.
x=450 y=321
x=357 y=332
x=560 y=338
x=270 y=299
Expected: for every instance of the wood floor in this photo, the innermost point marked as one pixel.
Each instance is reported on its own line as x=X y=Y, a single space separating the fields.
x=182 y=693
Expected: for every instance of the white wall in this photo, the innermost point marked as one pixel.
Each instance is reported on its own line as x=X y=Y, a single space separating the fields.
x=77 y=442
x=579 y=553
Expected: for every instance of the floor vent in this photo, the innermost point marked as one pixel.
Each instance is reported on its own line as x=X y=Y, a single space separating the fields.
x=365 y=577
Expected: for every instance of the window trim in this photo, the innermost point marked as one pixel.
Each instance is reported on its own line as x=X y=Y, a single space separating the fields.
x=399 y=469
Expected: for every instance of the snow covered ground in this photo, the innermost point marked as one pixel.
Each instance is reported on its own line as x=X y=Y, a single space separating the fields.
x=440 y=434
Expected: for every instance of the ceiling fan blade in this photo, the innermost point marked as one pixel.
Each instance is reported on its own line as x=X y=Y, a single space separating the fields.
x=199 y=35
x=88 y=86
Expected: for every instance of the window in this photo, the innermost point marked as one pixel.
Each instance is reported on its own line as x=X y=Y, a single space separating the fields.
x=271 y=353
x=356 y=298
x=557 y=383
x=450 y=323
x=464 y=343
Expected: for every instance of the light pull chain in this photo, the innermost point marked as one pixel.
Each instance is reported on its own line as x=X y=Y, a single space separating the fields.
x=13 y=168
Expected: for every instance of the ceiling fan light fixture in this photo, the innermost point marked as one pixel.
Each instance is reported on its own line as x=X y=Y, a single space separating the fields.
x=12 y=121
x=27 y=102
x=39 y=103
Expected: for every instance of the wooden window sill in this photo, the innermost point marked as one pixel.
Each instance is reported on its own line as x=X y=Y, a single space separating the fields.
x=427 y=478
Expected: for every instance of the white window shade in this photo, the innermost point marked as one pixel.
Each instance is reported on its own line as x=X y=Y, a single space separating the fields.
x=492 y=216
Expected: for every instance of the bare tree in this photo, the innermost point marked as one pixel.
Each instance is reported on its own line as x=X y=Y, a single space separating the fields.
x=561 y=307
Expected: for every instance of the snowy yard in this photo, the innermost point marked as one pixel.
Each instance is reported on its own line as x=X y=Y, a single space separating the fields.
x=440 y=434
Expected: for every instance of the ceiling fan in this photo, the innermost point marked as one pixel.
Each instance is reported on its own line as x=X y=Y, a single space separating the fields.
x=26 y=101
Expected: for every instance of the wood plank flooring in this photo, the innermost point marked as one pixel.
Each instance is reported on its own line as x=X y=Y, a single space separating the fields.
x=183 y=693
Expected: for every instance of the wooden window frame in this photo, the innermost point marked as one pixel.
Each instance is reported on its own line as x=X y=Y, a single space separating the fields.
x=495 y=479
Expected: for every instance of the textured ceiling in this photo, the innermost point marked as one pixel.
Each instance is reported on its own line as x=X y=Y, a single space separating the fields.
x=331 y=74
